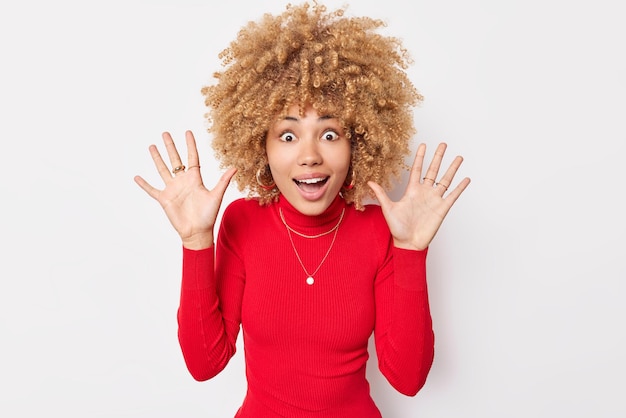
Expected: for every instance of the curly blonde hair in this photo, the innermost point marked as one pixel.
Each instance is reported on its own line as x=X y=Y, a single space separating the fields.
x=340 y=66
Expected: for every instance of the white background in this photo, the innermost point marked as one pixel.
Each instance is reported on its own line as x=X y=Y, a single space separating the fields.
x=526 y=276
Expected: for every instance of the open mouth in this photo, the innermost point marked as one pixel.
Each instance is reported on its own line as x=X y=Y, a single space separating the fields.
x=311 y=185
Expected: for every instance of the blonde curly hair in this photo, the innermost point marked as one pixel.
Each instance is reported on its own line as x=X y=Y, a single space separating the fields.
x=338 y=65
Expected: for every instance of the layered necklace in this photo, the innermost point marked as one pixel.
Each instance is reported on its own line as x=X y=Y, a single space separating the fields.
x=310 y=276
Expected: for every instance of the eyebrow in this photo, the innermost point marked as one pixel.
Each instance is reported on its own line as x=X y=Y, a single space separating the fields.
x=321 y=118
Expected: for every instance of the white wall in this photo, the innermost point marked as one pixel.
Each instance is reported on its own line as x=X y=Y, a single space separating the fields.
x=526 y=276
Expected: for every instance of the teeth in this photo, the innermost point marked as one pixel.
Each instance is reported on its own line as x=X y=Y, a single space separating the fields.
x=311 y=181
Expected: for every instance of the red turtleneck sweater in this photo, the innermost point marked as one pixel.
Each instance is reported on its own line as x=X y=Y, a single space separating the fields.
x=306 y=345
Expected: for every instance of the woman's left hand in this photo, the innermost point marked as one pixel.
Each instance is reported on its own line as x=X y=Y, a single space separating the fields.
x=416 y=217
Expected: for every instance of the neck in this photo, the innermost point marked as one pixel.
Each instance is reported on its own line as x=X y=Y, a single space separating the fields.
x=311 y=225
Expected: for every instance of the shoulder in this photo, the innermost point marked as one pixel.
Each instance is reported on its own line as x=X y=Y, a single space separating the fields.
x=239 y=212
x=239 y=218
x=370 y=213
x=370 y=219
x=243 y=204
x=243 y=207
x=246 y=211
x=369 y=234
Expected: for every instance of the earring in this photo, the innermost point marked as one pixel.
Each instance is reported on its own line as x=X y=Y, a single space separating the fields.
x=350 y=186
x=258 y=179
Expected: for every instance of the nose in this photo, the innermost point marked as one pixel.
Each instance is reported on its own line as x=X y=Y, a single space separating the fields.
x=309 y=153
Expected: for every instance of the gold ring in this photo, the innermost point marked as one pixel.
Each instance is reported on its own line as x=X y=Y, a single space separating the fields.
x=193 y=166
x=427 y=178
x=178 y=169
x=441 y=184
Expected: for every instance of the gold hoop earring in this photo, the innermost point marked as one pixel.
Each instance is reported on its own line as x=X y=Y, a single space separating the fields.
x=260 y=182
x=350 y=186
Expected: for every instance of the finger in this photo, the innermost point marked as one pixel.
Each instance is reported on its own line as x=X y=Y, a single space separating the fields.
x=154 y=193
x=172 y=152
x=448 y=177
x=161 y=167
x=192 y=151
x=380 y=194
x=454 y=194
x=441 y=187
x=416 y=170
x=224 y=181
x=433 y=168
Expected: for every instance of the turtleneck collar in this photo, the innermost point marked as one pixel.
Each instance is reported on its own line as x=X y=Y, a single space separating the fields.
x=311 y=224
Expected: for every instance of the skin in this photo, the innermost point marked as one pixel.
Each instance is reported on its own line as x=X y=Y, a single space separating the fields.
x=306 y=149
x=190 y=207
x=302 y=146
x=415 y=219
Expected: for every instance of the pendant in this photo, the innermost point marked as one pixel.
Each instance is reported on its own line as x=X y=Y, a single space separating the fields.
x=310 y=280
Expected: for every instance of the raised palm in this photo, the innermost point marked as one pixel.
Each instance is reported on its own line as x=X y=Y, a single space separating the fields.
x=415 y=219
x=190 y=207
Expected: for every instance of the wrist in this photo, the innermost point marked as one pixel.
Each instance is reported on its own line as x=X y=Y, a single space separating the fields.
x=408 y=245
x=198 y=242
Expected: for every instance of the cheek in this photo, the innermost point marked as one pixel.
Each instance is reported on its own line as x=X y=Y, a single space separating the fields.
x=344 y=159
x=273 y=155
x=279 y=165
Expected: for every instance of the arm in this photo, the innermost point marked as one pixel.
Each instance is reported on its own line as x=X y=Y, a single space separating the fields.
x=209 y=315
x=405 y=339
x=403 y=335
x=192 y=210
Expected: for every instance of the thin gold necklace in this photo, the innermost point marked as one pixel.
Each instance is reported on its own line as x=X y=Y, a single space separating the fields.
x=282 y=218
x=310 y=280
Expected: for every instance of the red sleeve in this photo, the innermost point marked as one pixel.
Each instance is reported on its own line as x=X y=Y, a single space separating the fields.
x=209 y=314
x=403 y=333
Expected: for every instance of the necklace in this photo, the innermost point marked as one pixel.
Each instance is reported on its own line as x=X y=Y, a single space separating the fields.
x=310 y=280
x=282 y=218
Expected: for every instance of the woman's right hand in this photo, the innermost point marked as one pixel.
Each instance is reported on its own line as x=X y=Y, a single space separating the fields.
x=191 y=208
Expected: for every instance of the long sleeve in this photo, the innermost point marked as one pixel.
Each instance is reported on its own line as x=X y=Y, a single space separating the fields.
x=403 y=332
x=209 y=313
x=204 y=340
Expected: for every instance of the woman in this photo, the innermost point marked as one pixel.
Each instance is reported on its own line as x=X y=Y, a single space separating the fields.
x=312 y=114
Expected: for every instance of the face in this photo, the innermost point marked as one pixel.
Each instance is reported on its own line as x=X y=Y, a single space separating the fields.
x=309 y=157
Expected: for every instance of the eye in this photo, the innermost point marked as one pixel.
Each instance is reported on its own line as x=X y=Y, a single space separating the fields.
x=287 y=137
x=330 y=136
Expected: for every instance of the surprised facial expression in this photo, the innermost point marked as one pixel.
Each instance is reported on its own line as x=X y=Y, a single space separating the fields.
x=309 y=157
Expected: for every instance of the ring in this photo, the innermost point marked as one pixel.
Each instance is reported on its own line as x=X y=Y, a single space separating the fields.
x=193 y=166
x=178 y=169
x=428 y=178
x=441 y=184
